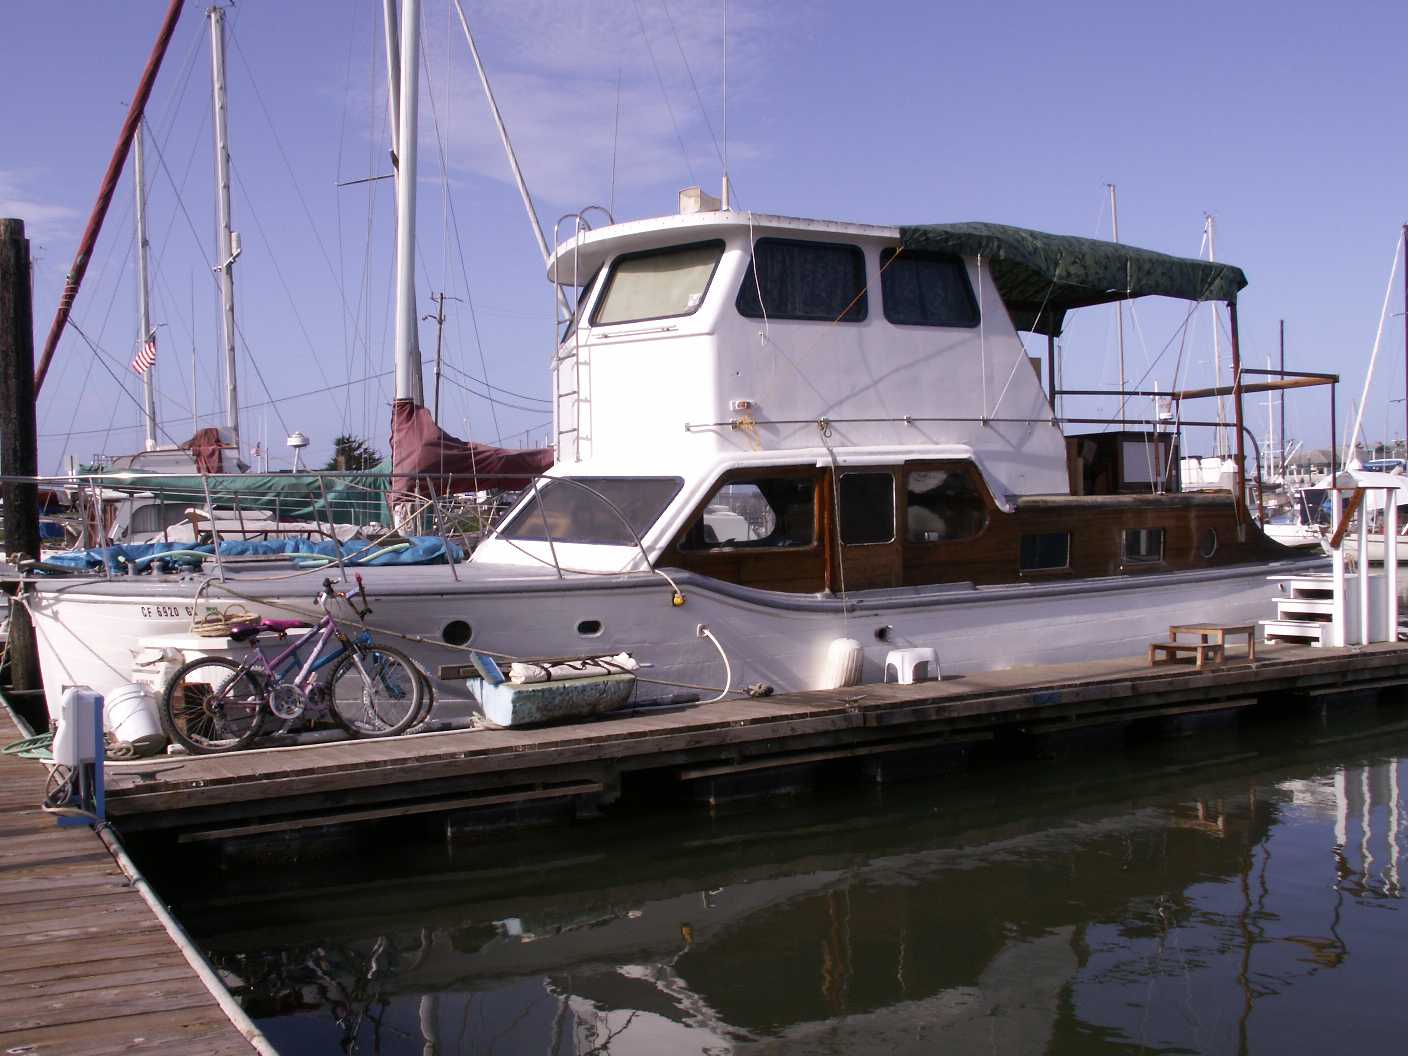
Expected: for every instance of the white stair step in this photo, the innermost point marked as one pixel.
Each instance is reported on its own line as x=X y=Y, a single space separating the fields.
x=1292 y=607
x=1294 y=630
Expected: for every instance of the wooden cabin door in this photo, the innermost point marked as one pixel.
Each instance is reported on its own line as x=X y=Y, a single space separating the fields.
x=863 y=548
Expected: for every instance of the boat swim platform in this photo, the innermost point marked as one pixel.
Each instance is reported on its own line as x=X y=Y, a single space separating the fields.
x=89 y=968
x=587 y=764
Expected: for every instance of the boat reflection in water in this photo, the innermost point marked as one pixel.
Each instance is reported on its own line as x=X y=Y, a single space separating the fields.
x=1232 y=894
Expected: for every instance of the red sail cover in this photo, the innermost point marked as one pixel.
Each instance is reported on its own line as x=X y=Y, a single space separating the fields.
x=205 y=448
x=419 y=447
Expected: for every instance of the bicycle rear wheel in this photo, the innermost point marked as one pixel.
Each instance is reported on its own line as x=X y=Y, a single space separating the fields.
x=212 y=705
x=375 y=691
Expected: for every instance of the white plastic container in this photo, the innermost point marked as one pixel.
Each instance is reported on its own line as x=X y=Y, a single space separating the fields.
x=75 y=740
x=130 y=714
x=844 y=659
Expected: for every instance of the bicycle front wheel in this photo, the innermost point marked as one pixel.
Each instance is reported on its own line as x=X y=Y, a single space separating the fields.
x=212 y=705
x=375 y=691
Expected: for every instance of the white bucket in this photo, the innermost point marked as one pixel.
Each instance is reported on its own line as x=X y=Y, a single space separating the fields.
x=130 y=713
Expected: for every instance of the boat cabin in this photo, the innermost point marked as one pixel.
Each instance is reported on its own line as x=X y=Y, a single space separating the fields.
x=807 y=406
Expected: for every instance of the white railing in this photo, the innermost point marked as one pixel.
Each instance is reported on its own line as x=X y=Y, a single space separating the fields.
x=1343 y=515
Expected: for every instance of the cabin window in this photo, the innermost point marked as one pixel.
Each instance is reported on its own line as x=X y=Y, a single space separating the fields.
x=658 y=284
x=157 y=517
x=867 y=502
x=823 y=281
x=926 y=289
x=757 y=512
x=1045 y=551
x=942 y=504
x=580 y=509
x=1143 y=545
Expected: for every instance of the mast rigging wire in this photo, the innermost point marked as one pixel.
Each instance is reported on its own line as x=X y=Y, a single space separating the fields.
x=459 y=249
x=659 y=78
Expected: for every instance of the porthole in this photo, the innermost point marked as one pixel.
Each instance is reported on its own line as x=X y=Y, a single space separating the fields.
x=589 y=628
x=456 y=632
x=1208 y=546
x=882 y=633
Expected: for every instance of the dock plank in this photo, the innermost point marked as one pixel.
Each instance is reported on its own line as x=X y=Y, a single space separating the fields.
x=253 y=787
x=88 y=969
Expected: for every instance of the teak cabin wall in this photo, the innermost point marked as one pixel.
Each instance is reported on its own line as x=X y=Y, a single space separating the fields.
x=1097 y=527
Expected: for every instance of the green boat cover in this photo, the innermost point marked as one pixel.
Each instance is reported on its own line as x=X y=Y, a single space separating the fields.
x=343 y=498
x=1042 y=276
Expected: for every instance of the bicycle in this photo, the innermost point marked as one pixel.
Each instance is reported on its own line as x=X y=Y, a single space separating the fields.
x=215 y=704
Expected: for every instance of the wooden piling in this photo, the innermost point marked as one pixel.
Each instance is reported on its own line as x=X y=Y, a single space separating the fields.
x=18 y=443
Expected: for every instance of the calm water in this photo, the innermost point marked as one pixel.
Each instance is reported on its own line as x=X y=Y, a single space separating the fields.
x=1233 y=892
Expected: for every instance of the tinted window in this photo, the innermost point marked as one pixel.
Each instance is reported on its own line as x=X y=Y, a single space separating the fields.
x=804 y=280
x=757 y=512
x=942 y=504
x=1045 y=550
x=867 y=508
x=574 y=514
x=1144 y=544
x=657 y=284
x=922 y=289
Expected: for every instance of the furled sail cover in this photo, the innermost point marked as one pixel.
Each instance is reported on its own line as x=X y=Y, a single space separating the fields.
x=420 y=447
x=1042 y=276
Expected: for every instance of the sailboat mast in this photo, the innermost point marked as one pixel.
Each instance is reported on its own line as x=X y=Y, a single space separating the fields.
x=1405 y=340
x=144 y=314
x=393 y=76
x=226 y=248
x=1119 y=305
x=1285 y=447
x=407 y=346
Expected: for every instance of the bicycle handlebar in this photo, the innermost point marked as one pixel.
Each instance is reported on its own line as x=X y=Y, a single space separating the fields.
x=330 y=590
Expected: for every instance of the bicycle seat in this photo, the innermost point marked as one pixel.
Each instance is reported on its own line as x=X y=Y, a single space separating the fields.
x=242 y=631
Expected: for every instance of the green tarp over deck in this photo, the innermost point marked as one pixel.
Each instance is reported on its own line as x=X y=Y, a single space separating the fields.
x=1042 y=276
x=350 y=499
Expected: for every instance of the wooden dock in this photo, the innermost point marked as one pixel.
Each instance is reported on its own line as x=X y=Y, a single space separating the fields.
x=287 y=789
x=88 y=967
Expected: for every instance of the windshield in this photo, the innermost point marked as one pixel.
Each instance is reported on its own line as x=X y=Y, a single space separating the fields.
x=658 y=284
x=579 y=509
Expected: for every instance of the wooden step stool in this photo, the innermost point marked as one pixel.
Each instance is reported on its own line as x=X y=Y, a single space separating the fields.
x=1211 y=645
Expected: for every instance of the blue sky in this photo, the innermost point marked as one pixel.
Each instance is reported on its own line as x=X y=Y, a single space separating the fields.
x=1280 y=119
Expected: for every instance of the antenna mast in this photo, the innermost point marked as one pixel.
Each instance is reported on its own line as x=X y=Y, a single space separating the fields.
x=1210 y=230
x=724 y=197
x=1119 y=305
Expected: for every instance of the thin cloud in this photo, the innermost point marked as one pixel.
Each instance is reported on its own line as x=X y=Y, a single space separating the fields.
x=555 y=70
x=44 y=222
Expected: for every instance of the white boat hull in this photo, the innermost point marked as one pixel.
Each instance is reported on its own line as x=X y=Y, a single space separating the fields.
x=89 y=631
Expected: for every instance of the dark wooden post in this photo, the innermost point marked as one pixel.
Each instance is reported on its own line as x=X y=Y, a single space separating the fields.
x=18 y=442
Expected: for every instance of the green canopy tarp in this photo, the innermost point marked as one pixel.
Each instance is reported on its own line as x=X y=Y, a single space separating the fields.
x=1042 y=276
x=350 y=499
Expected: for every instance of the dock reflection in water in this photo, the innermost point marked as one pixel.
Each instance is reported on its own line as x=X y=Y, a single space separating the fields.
x=1239 y=893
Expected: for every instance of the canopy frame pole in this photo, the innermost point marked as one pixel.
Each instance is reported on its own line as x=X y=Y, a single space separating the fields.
x=1051 y=370
x=1240 y=470
x=1334 y=434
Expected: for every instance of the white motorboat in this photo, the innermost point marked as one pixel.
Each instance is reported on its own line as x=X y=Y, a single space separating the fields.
x=774 y=434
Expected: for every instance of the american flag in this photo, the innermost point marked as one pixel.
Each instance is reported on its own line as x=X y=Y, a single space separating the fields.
x=145 y=358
